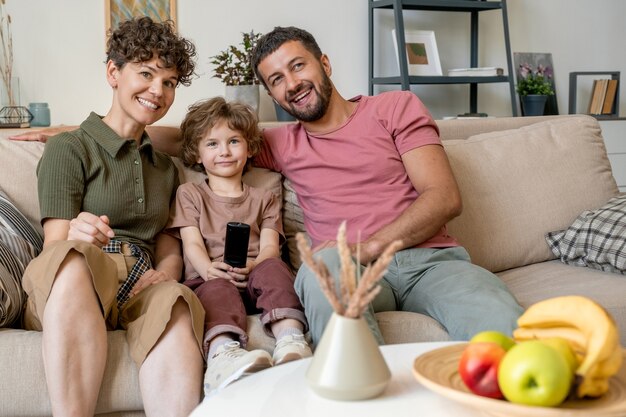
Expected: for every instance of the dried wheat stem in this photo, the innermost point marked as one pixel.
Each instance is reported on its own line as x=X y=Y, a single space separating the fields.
x=6 y=66
x=360 y=303
x=321 y=272
x=367 y=290
x=347 y=277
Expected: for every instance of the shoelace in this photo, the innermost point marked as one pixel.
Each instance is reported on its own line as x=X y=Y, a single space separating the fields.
x=232 y=350
x=294 y=340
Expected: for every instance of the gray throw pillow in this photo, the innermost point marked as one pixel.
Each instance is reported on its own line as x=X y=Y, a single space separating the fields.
x=596 y=239
x=19 y=244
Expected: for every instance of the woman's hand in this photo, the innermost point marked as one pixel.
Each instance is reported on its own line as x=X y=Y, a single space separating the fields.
x=90 y=228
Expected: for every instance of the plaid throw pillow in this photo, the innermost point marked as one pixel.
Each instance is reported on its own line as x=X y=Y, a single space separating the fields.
x=19 y=243
x=596 y=239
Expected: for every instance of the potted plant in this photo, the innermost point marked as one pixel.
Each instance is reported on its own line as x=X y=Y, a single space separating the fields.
x=534 y=88
x=233 y=68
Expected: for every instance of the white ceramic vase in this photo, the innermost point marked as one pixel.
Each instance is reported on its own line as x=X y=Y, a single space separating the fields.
x=348 y=364
x=248 y=94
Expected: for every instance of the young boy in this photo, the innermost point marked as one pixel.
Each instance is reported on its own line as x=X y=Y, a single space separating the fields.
x=220 y=138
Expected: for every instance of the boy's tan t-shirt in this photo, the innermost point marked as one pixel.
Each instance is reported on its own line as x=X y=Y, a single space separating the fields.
x=196 y=205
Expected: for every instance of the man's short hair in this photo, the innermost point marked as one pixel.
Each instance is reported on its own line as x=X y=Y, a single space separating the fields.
x=273 y=40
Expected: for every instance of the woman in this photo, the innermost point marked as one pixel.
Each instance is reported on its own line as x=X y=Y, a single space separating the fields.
x=104 y=198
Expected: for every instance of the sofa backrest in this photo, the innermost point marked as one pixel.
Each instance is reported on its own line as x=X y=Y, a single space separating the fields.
x=18 y=178
x=520 y=178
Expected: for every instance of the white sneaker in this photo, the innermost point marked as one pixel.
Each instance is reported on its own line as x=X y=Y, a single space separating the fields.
x=230 y=363
x=290 y=348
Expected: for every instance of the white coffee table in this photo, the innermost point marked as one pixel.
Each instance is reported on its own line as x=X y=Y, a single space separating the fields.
x=283 y=391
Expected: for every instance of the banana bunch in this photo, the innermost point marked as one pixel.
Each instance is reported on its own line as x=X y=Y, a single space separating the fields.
x=590 y=331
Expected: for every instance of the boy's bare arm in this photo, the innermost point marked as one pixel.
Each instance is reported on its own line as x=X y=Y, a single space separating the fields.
x=269 y=247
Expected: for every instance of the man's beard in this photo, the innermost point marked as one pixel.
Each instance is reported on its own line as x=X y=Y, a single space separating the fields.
x=320 y=108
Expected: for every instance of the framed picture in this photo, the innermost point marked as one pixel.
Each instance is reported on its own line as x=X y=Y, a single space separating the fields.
x=421 y=52
x=116 y=11
x=535 y=60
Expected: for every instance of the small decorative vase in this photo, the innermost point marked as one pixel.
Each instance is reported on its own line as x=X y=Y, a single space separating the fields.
x=247 y=94
x=41 y=114
x=347 y=364
x=534 y=104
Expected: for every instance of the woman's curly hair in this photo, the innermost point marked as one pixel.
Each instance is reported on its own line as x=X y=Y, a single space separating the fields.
x=140 y=39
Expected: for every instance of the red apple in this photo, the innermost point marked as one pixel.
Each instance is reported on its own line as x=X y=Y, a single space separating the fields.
x=478 y=368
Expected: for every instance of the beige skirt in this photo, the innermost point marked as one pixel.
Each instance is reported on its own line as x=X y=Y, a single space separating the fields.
x=144 y=316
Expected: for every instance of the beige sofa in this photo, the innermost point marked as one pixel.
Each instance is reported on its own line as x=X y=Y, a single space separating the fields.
x=517 y=183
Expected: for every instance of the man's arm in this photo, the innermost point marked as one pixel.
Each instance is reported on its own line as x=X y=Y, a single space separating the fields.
x=166 y=139
x=439 y=201
x=42 y=135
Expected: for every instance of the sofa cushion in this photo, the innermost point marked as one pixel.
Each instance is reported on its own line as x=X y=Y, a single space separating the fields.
x=293 y=221
x=532 y=283
x=596 y=239
x=517 y=185
x=19 y=244
x=395 y=326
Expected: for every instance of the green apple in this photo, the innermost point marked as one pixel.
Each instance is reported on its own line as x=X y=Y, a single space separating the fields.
x=534 y=373
x=564 y=348
x=494 y=336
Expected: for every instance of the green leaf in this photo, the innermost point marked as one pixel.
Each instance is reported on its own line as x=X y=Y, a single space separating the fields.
x=232 y=65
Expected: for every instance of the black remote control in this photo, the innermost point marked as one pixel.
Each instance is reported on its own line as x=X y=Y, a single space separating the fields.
x=236 y=244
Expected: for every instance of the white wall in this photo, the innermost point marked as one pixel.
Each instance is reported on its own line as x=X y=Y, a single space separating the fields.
x=59 y=47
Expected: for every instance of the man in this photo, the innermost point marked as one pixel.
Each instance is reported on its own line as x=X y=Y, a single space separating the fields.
x=378 y=163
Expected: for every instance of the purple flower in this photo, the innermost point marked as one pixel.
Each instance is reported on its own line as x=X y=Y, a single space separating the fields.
x=524 y=70
x=548 y=72
x=534 y=81
x=540 y=70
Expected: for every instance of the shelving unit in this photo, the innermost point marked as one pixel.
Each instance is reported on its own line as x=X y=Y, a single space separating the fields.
x=473 y=7
x=573 y=92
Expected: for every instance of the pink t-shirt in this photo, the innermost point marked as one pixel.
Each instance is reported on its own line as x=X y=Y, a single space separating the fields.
x=355 y=172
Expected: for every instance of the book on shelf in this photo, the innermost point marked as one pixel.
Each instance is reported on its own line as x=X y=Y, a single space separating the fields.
x=597 y=96
x=475 y=72
x=609 y=97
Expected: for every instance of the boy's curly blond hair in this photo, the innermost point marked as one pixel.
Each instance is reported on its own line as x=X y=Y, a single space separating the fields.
x=205 y=114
